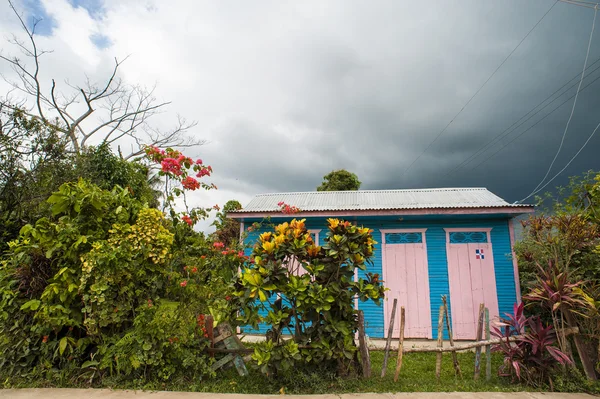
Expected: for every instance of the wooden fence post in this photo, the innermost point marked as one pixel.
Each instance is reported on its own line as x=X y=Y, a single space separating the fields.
x=440 y=343
x=389 y=339
x=362 y=342
x=400 y=345
x=478 y=338
x=450 y=338
x=488 y=349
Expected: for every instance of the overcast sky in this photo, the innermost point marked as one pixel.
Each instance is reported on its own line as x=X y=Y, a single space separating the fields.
x=286 y=91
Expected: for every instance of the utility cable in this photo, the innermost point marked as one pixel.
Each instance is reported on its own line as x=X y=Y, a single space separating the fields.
x=586 y=4
x=532 y=126
x=566 y=166
x=519 y=122
x=574 y=103
x=478 y=90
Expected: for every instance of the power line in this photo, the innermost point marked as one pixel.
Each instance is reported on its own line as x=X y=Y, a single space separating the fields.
x=586 y=4
x=478 y=90
x=566 y=166
x=574 y=103
x=532 y=126
x=515 y=125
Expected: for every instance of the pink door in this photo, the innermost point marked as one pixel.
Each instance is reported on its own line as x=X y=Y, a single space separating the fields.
x=472 y=281
x=406 y=275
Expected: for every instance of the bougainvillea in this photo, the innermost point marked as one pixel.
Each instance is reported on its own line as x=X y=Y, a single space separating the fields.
x=177 y=169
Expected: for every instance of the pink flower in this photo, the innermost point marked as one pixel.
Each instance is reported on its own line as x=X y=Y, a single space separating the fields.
x=218 y=245
x=170 y=165
x=280 y=203
x=198 y=161
x=241 y=254
x=224 y=252
x=190 y=183
x=183 y=283
x=204 y=172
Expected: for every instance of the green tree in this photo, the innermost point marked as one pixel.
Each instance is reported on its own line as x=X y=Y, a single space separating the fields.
x=228 y=230
x=339 y=180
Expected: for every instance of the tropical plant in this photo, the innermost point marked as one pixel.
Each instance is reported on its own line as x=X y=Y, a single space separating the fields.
x=106 y=284
x=227 y=229
x=299 y=288
x=529 y=349
x=567 y=240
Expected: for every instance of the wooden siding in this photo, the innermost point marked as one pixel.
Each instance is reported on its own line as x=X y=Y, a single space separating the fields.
x=438 y=267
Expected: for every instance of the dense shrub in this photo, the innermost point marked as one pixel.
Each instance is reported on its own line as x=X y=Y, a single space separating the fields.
x=110 y=285
x=299 y=288
x=532 y=355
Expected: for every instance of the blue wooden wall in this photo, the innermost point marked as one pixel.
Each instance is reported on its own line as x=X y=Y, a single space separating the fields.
x=436 y=255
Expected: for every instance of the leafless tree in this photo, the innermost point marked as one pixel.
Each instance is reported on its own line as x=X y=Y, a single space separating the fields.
x=121 y=111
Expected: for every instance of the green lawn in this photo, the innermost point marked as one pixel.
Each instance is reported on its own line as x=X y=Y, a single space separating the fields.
x=418 y=375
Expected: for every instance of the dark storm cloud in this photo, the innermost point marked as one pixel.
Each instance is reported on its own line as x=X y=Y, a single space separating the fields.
x=285 y=92
x=376 y=87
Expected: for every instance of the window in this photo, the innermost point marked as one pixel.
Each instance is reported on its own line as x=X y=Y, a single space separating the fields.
x=468 y=237
x=404 y=238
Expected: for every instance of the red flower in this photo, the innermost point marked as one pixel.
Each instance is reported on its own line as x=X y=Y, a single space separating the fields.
x=224 y=252
x=250 y=228
x=205 y=171
x=198 y=161
x=280 y=203
x=187 y=219
x=241 y=254
x=227 y=298
x=190 y=183
x=203 y=257
x=170 y=165
x=45 y=339
x=218 y=245
x=194 y=269
x=150 y=303
x=183 y=283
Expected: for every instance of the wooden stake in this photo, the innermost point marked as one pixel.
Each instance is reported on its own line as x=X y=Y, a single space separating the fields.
x=400 y=345
x=440 y=343
x=479 y=338
x=450 y=338
x=389 y=339
x=488 y=348
x=362 y=342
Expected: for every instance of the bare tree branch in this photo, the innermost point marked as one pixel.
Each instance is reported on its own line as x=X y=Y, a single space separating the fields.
x=113 y=112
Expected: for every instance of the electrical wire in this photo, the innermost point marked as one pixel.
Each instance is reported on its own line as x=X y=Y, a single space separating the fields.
x=532 y=126
x=478 y=90
x=515 y=125
x=574 y=103
x=566 y=166
x=586 y=4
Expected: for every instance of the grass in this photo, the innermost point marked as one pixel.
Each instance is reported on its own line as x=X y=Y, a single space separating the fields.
x=417 y=375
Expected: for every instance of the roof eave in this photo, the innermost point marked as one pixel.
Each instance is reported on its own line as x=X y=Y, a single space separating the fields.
x=513 y=210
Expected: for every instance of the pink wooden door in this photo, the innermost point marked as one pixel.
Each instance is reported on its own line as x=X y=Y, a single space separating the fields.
x=406 y=276
x=472 y=281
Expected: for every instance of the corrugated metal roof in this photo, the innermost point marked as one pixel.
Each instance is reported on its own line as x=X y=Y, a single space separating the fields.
x=443 y=198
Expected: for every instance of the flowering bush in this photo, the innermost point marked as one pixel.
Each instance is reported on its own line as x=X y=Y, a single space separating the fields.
x=178 y=168
x=307 y=291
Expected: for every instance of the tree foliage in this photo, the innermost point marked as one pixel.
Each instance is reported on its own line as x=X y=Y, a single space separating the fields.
x=35 y=162
x=227 y=229
x=339 y=180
